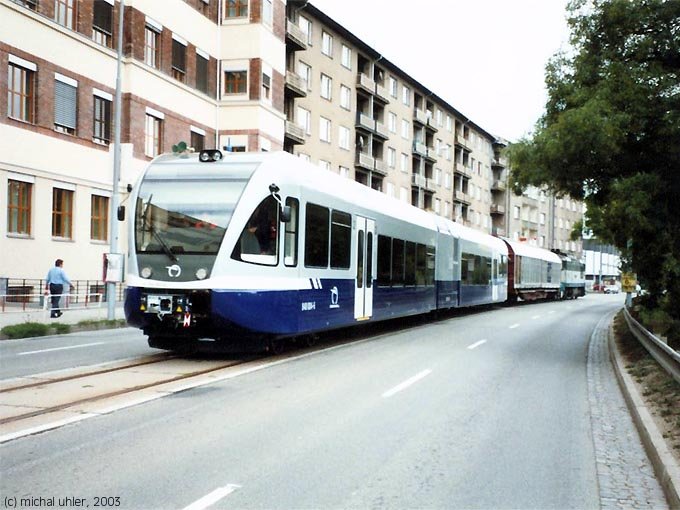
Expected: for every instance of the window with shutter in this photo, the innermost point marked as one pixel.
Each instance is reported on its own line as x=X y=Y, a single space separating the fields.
x=102 y=26
x=65 y=106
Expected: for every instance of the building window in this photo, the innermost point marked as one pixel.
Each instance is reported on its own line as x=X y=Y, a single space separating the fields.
x=324 y=129
x=102 y=120
x=406 y=95
x=346 y=57
x=65 y=105
x=236 y=9
x=99 y=220
x=197 y=141
x=345 y=97
x=306 y=27
x=393 y=86
x=343 y=137
x=326 y=86
x=235 y=82
x=179 y=60
x=326 y=44
x=64 y=12
x=20 y=93
x=151 y=47
x=392 y=122
x=31 y=4
x=267 y=12
x=152 y=134
x=391 y=157
x=266 y=87
x=201 y=73
x=304 y=120
x=405 y=129
x=102 y=25
x=305 y=73
x=62 y=213
x=19 y=207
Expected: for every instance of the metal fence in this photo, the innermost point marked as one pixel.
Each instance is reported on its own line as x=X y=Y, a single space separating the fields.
x=668 y=358
x=21 y=295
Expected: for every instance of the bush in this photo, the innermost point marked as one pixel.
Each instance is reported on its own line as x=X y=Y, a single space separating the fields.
x=61 y=329
x=25 y=330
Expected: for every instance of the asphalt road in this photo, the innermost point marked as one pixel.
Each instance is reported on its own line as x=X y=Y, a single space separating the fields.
x=483 y=410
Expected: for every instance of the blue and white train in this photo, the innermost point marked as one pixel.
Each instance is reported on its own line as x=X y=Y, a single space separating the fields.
x=249 y=249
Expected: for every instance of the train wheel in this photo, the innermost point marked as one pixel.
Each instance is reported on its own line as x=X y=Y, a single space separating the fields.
x=161 y=342
x=276 y=345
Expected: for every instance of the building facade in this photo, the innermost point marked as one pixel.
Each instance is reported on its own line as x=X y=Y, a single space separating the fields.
x=241 y=75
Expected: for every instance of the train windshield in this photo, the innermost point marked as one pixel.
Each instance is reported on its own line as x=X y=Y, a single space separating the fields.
x=187 y=210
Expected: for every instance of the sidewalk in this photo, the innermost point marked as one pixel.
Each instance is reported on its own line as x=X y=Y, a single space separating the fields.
x=73 y=315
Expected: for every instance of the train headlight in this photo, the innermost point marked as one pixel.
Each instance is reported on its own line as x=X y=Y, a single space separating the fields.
x=146 y=272
x=207 y=156
x=201 y=273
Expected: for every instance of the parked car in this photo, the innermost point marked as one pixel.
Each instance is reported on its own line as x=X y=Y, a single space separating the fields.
x=611 y=289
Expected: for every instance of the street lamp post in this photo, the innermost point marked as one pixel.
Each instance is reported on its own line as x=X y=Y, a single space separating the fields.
x=113 y=216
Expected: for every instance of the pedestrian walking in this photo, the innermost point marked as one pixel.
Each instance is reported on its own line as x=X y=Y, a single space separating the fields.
x=55 y=282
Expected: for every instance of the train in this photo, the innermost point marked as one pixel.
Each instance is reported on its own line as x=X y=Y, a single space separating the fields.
x=245 y=250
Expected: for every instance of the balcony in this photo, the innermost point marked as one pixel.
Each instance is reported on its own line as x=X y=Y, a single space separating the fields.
x=420 y=149
x=420 y=116
x=295 y=36
x=296 y=84
x=461 y=169
x=430 y=123
x=463 y=143
x=498 y=185
x=498 y=231
x=431 y=154
x=418 y=180
x=380 y=167
x=365 y=161
x=295 y=132
x=431 y=185
x=381 y=130
x=497 y=163
x=366 y=83
x=381 y=94
x=365 y=122
x=459 y=196
x=497 y=209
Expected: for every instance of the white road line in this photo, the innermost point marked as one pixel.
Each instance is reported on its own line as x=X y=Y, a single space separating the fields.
x=551 y=311
x=213 y=497
x=59 y=349
x=514 y=326
x=407 y=383
x=536 y=317
x=476 y=344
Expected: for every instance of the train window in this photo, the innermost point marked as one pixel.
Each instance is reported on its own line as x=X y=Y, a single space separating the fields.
x=467 y=268
x=290 y=243
x=421 y=264
x=341 y=240
x=384 y=260
x=369 y=260
x=410 y=263
x=429 y=276
x=503 y=267
x=397 y=262
x=259 y=241
x=360 y=260
x=316 y=236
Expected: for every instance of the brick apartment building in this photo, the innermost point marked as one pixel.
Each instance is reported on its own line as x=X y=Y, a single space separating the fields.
x=250 y=75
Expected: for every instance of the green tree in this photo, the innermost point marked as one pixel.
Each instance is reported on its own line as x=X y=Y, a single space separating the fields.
x=610 y=134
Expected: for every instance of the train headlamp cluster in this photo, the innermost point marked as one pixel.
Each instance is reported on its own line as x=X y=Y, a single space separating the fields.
x=201 y=273
x=209 y=156
x=146 y=272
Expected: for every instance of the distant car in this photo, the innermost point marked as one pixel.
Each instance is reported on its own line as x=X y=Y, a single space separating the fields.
x=611 y=289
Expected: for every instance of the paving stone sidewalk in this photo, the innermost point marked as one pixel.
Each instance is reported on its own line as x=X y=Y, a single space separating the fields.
x=625 y=475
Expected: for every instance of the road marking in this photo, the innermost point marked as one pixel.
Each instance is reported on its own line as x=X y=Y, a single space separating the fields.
x=213 y=497
x=59 y=349
x=407 y=383
x=536 y=317
x=514 y=326
x=476 y=344
x=551 y=311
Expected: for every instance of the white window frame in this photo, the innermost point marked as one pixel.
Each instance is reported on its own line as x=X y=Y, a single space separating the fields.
x=326 y=44
x=346 y=58
x=325 y=128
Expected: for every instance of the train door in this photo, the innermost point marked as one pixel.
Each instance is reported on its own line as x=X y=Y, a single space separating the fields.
x=363 y=284
x=494 y=278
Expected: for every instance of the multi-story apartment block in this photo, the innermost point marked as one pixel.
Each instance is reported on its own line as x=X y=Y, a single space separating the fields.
x=242 y=75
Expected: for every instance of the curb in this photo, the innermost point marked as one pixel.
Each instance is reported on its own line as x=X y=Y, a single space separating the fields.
x=665 y=466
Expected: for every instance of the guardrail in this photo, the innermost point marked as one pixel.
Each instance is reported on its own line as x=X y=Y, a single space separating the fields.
x=20 y=303
x=668 y=358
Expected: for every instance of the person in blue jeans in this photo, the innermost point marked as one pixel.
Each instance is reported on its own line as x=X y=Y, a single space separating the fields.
x=54 y=283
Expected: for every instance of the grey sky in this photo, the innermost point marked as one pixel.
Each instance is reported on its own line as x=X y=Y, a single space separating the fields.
x=493 y=65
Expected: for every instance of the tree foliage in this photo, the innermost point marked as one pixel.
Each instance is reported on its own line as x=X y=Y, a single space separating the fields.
x=610 y=134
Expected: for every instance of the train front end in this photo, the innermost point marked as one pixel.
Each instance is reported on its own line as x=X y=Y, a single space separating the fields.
x=180 y=212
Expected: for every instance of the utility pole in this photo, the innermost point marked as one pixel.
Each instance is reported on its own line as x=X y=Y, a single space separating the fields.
x=113 y=214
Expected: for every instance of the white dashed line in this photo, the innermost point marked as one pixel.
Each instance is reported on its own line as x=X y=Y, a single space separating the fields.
x=407 y=383
x=476 y=344
x=213 y=497
x=513 y=326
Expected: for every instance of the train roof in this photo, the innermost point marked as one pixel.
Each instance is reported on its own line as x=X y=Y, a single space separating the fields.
x=526 y=250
